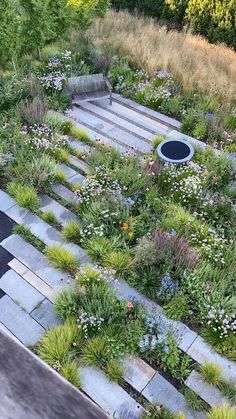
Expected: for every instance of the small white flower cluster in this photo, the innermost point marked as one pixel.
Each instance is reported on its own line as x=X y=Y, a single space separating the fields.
x=108 y=274
x=88 y=323
x=97 y=184
x=184 y=182
x=44 y=138
x=158 y=330
x=90 y=231
x=85 y=278
x=61 y=61
x=233 y=112
x=209 y=243
x=53 y=81
x=220 y=321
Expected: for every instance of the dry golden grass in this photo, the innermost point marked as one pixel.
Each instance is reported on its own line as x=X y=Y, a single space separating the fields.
x=192 y=59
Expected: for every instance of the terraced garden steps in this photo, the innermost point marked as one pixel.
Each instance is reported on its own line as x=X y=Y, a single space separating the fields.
x=62 y=214
x=210 y=394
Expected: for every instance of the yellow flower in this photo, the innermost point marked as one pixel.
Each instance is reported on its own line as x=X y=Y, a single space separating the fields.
x=130 y=234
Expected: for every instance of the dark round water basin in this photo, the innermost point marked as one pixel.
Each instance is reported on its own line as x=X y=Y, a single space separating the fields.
x=175 y=151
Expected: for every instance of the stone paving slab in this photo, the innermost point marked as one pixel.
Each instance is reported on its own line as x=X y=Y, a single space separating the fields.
x=137 y=372
x=104 y=114
x=111 y=130
x=210 y=394
x=35 y=261
x=80 y=146
x=62 y=214
x=79 y=164
x=140 y=120
x=44 y=314
x=20 y=291
x=97 y=137
x=76 y=180
x=147 y=111
x=40 y=285
x=19 y=323
x=4 y=329
x=63 y=192
x=203 y=353
x=48 y=234
x=6 y=201
x=69 y=172
x=108 y=395
x=160 y=391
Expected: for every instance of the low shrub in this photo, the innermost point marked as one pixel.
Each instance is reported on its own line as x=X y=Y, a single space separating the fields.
x=115 y=370
x=56 y=346
x=25 y=196
x=192 y=399
x=70 y=371
x=222 y=412
x=62 y=258
x=79 y=133
x=50 y=218
x=121 y=262
x=211 y=373
x=71 y=232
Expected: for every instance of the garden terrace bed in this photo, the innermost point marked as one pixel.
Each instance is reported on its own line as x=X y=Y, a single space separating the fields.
x=129 y=253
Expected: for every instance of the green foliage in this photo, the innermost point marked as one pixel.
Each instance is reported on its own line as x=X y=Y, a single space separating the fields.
x=98 y=248
x=192 y=399
x=10 y=30
x=159 y=412
x=71 y=232
x=50 y=218
x=56 y=346
x=120 y=261
x=37 y=171
x=211 y=373
x=79 y=133
x=25 y=196
x=62 y=258
x=222 y=412
x=70 y=372
x=60 y=176
x=178 y=308
x=95 y=352
x=114 y=370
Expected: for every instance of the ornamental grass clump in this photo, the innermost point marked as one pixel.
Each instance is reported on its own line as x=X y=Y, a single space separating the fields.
x=211 y=373
x=222 y=412
x=62 y=258
x=25 y=196
x=71 y=232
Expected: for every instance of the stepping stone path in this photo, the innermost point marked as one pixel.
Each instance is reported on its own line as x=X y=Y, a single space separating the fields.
x=210 y=394
x=29 y=285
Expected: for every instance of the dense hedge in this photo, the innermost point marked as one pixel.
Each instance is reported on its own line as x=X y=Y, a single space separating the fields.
x=215 y=19
x=27 y=25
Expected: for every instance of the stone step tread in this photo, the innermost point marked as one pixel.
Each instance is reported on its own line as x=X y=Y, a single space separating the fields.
x=109 y=117
x=110 y=130
x=153 y=115
x=79 y=164
x=80 y=146
x=19 y=323
x=20 y=291
x=62 y=214
x=137 y=372
x=6 y=201
x=210 y=394
x=63 y=192
x=131 y=115
x=45 y=315
x=72 y=176
x=160 y=391
x=107 y=394
x=35 y=261
x=97 y=137
x=36 y=282
x=203 y=353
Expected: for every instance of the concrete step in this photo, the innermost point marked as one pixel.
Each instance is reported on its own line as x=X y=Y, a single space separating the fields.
x=110 y=130
x=35 y=261
x=210 y=394
x=72 y=176
x=107 y=394
x=120 y=122
x=19 y=323
x=130 y=115
x=20 y=291
x=79 y=164
x=62 y=214
x=161 y=392
x=64 y=192
x=152 y=115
